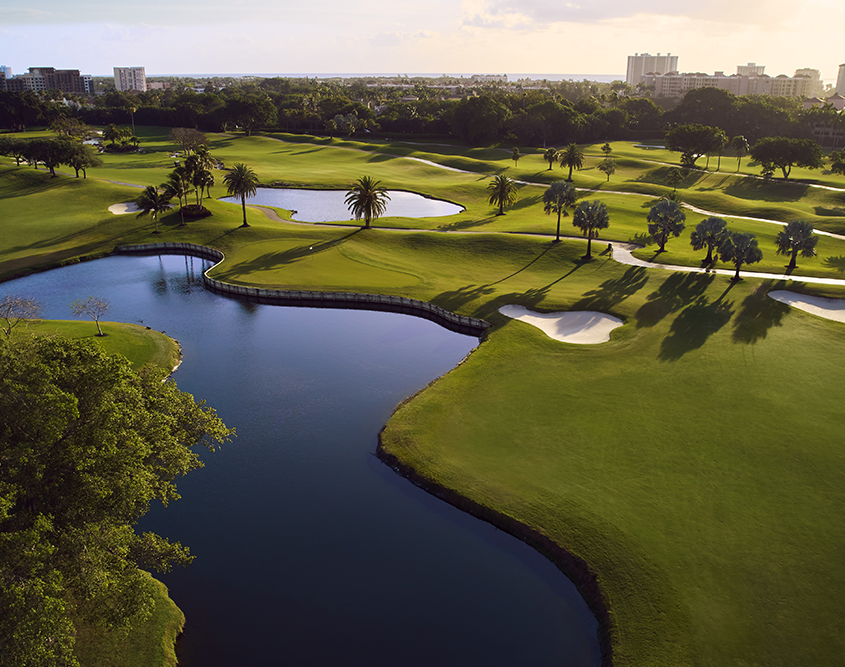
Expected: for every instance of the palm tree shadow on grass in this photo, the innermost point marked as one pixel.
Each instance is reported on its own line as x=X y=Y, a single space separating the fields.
x=695 y=324
x=613 y=291
x=518 y=271
x=678 y=290
x=290 y=256
x=837 y=263
x=469 y=223
x=758 y=314
x=454 y=299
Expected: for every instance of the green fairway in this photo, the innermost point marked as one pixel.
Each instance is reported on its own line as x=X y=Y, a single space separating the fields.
x=693 y=461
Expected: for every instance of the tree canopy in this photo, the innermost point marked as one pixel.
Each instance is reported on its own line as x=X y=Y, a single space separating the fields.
x=502 y=191
x=367 y=199
x=86 y=444
x=796 y=238
x=692 y=140
x=784 y=153
x=556 y=199
x=591 y=217
x=665 y=219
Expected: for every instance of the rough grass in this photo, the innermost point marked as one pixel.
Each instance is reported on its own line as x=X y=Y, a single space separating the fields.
x=693 y=461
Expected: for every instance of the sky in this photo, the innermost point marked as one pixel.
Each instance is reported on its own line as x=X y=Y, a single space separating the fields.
x=430 y=36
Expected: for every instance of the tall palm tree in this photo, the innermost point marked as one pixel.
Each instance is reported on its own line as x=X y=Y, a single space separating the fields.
x=740 y=248
x=590 y=217
x=796 y=237
x=203 y=180
x=503 y=191
x=720 y=140
x=709 y=233
x=740 y=145
x=556 y=199
x=550 y=156
x=665 y=219
x=178 y=185
x=573 y=157
x=152 y=202
x=367 y=199
x=241 y=181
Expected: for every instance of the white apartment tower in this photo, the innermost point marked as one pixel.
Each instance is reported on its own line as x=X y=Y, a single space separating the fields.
x=840 y=81
x=641 y=64
x=751 y=69
x=130 y=78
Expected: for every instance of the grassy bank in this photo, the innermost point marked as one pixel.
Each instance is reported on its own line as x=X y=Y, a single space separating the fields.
x=692 y=462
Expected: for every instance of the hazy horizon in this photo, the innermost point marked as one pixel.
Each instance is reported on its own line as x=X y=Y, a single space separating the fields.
x=477 y=36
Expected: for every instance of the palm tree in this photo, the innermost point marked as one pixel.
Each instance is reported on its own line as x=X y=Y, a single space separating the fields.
x=515 y=156
x=556 y=199
x=113 y=133
x=665 y=219
x=367 y=199
x=203 y=180
x=178 y=186
x=241 y=181
x=573 y=157
x=741 y=147
x=740 y=248
x=720 y=140
x=709 y=233
x=550 y=156
x=152 y=202
x=590 y=217
x=796 y=237
x=503 y=191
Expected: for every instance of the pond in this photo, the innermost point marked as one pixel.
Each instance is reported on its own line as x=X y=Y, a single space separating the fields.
x=330 y=205
x=309 y=550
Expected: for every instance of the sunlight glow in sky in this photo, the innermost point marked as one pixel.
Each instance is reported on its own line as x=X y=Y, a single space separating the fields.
x=436 y=36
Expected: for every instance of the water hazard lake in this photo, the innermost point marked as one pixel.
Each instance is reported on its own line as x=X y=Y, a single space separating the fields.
x=330 y=205
x=310 y=551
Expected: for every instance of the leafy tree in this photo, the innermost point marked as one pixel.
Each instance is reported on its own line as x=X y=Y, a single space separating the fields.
x=188 y=138
x=740 y=248
x=740 y=145
x=784 y=153
x=573 y=157
x=709 y=233
x=590 y=217
x=242 y=182
x=556 y=199
x=86 y=444
x=550 y=156
x=479 y=120
x=837 y=162
x=82 y=158
x=692 y=141
x=16 y=310
x=608 y=167
x=515 y=156
x=93 y=308
x=152 y=202
x=367 y=199
x=665 y=219
x=674 y=177
x=797 y=237
x=607 y=149
x=502 y=191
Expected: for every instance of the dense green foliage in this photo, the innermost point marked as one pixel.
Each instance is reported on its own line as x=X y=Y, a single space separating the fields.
x=86 y=444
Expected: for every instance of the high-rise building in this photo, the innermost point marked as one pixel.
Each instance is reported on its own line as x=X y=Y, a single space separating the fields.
x=675 y=84
x=641 y=64
x=840 y=81
x=130 y=78
x=48 y=78
x=816 y=87
x=751 y=69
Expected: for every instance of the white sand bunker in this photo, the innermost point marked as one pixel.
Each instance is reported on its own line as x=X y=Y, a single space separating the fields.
x=831 y=309
x=124 y=208
x=583 y=327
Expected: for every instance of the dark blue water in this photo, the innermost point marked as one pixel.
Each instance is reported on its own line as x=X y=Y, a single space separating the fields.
x=309 y=551
x=330 y=205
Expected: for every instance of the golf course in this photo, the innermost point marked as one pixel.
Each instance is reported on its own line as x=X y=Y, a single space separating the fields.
x=688 y=473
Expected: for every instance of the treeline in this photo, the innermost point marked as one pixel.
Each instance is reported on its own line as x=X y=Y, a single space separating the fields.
x=563 y=113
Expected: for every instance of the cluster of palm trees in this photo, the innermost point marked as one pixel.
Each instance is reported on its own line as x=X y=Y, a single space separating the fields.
x=124 y=135
x=572 y=157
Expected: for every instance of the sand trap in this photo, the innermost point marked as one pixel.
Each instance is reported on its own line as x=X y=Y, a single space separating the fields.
x=123 y=209
x=583 y=327
x=831 y=309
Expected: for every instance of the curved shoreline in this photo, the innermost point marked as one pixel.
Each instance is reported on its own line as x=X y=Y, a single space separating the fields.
x=576 y=569
x=463 y=324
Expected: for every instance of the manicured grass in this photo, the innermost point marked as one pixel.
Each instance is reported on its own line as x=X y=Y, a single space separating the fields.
x=693 y=461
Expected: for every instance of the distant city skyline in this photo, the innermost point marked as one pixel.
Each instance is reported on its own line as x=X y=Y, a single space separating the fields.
x=444 y=36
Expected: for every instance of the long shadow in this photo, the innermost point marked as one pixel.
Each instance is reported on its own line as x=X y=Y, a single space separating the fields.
x=518 y=271
x=308 y=249
x=455 y=299
x=837 y=263
x=469 y=223
x=530 y=299
x=775 y=190
x=577 y=265
x=758 y=313
x=642 y=239
x=677 y=291
x=613 y=291
x=694 y=325
x=837 y=212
